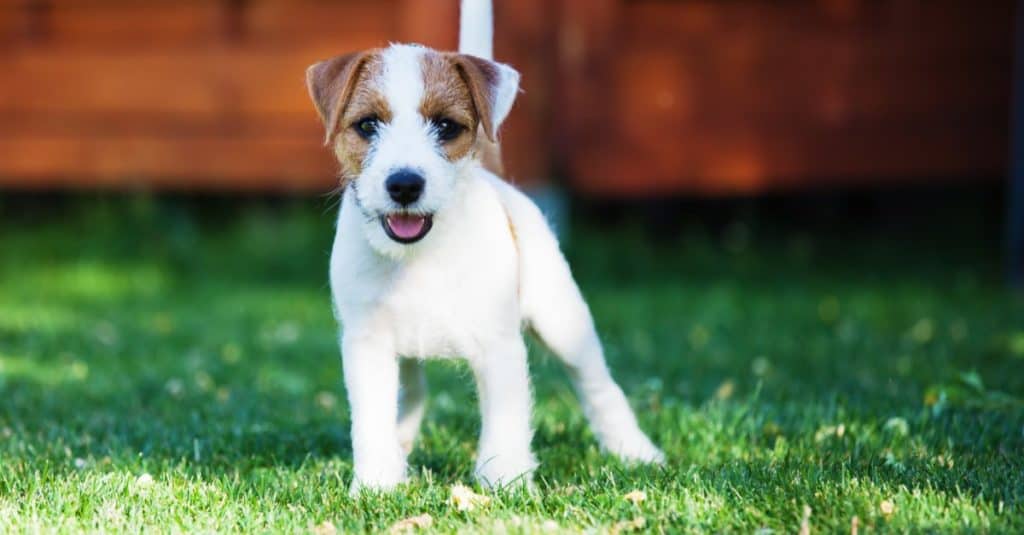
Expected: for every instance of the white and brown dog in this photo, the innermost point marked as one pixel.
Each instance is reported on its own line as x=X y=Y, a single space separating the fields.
x=436 y=256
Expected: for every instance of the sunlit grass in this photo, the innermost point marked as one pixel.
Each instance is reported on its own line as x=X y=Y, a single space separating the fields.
x=164 y=369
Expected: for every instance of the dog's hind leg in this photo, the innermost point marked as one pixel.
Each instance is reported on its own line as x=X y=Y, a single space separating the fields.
x=553 y=307
x=562 y=321
x=412 y=401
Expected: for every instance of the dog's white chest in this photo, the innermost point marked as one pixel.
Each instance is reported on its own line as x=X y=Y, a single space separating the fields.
x=452 y=296
x=437 y=312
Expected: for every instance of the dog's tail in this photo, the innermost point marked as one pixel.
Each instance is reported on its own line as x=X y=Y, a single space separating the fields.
x=476 y=29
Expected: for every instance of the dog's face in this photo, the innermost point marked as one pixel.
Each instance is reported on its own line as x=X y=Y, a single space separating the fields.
x=406 y=123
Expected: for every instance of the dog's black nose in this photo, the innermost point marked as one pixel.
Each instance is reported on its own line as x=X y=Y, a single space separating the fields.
x=405 y=186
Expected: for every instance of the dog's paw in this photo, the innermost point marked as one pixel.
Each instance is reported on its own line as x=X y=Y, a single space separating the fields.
x=378 y=478
x=638 y=449
x=360 y=486
x=506 y=472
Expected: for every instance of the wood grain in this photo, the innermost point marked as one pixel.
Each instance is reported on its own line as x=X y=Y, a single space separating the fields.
x=748 y=96
x=638 y=97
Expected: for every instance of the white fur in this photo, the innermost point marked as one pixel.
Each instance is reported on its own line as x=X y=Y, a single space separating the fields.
x=466 y=290
x=476 y=28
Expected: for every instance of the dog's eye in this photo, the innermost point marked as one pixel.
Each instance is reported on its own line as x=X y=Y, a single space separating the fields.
x=447 y=129
x=367 y=127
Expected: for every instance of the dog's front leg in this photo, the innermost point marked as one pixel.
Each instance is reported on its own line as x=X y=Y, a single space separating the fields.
x=371 y=378
x=503 y=382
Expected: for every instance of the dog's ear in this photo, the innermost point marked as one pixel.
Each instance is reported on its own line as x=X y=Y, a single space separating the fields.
x=492 y=86
x=330 y=83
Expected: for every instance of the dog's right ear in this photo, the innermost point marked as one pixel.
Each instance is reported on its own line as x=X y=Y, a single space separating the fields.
x=330 y=83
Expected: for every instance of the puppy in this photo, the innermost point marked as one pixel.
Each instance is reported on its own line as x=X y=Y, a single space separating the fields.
x=435 y=256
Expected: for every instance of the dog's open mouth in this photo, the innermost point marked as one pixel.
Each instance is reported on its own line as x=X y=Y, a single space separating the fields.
x=406 y=228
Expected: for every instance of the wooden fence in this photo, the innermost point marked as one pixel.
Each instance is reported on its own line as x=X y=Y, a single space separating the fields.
x=632 y=97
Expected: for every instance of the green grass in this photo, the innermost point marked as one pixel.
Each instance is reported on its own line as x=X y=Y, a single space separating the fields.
x=779 y=370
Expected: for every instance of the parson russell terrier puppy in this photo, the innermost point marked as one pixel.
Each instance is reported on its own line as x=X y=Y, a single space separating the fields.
x=436 y=256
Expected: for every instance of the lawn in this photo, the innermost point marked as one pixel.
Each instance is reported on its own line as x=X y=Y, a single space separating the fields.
x=172 y=365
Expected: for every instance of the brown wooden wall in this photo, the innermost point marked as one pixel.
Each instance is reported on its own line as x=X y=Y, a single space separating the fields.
x=742 y=96
x=620 y=96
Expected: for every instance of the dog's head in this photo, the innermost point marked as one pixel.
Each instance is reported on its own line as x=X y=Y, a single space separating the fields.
x=407 y=123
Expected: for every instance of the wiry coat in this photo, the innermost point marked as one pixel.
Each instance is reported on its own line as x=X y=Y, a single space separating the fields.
x=487 y=266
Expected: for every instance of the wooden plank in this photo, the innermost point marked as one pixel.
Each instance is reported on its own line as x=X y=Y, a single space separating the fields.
x=21 y=22
x=729 y=161
x=110 y=24
x=34 y=124
x=171 y=24
x=586 y=46
x=333 y=26
x=10 y=23
x=524 y=39
x=433 y=23
x=717 y=97
x=221 y=81
x=210 y=163
x=664 y=94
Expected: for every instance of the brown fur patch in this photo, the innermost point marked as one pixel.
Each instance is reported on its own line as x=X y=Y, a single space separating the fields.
x=446 y=96
x=481 y=77
x=330 y=83
x=367 y=100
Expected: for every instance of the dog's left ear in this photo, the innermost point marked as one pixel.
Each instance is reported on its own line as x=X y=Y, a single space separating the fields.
x=492 y=86
x=330 y=84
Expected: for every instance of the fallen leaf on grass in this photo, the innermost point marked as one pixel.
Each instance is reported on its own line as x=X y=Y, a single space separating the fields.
x=324 y=528
x=326 y=400
x=887 y=508
x=464 y=499
x=569 y=490
x=829 y=431
x=636 y=497
x=943 y=461
x=423 y=521
x=725 y=390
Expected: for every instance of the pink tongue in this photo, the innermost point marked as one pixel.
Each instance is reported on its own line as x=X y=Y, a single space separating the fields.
x=406 y=226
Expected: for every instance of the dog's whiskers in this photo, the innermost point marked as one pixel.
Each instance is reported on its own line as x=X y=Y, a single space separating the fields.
x=332 y=198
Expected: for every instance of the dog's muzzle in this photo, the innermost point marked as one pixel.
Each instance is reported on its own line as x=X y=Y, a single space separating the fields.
x=405 y=187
